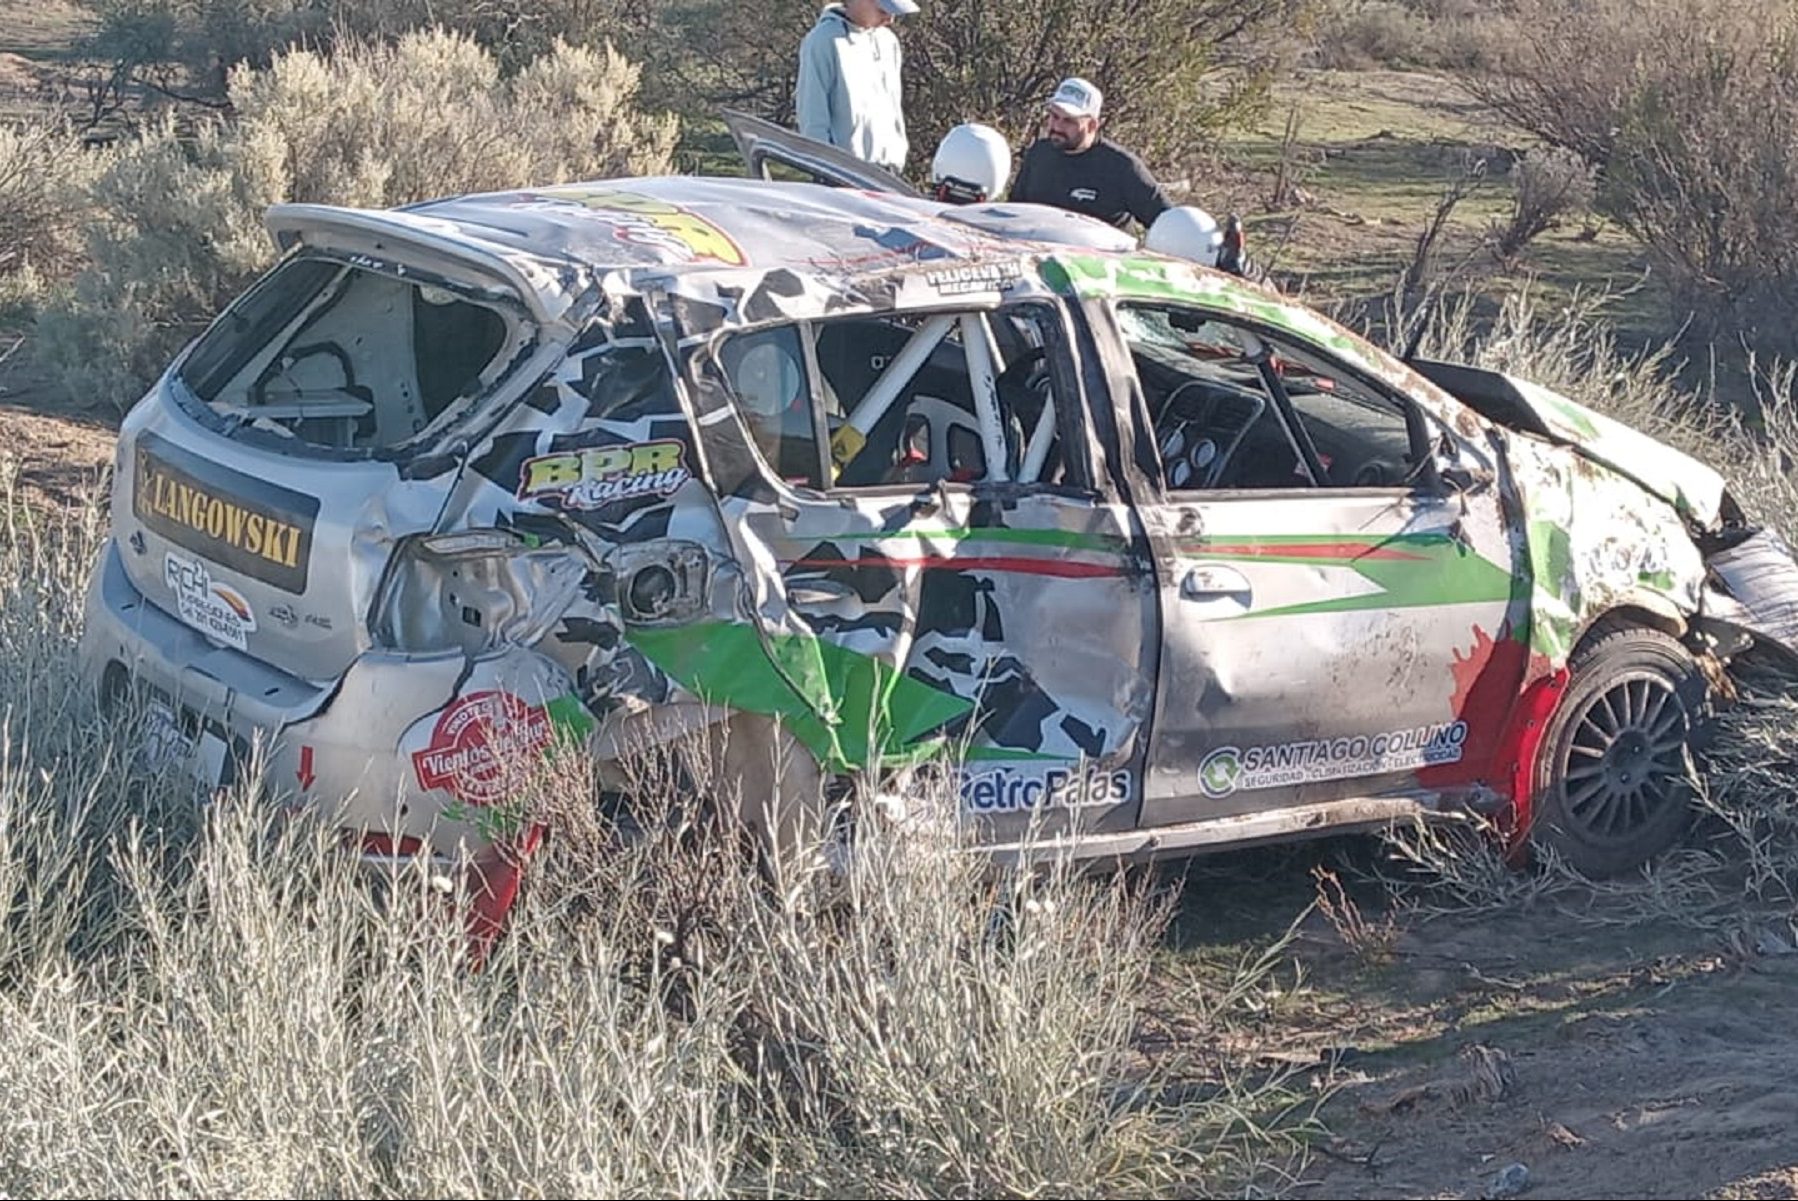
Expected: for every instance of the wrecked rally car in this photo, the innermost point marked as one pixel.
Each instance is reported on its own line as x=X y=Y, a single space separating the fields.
x=1150 y=558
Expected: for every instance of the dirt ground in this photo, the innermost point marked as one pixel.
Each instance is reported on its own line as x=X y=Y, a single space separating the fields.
x=62 y=453
x=1609 y=1055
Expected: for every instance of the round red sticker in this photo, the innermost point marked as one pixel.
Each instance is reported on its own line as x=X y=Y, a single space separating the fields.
x=477 y=741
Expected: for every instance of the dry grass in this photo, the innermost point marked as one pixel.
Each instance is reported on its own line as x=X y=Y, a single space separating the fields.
x=205 y=998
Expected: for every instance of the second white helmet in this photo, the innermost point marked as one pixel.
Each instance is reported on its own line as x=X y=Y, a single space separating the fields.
x=972 y=164
x=1187 y=232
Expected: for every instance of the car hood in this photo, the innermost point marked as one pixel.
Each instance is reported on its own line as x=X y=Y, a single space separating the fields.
x=1692 y=488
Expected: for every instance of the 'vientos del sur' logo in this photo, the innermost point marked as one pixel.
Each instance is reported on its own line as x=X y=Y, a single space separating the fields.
x=1230 y=769
x=477 y=742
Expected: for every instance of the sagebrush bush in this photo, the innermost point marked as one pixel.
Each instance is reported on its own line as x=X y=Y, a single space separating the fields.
x=1552 y=183
x=1174 y=72
x=177 y=218
x=1357 y=34
x=44 y=176
x=1698 y=148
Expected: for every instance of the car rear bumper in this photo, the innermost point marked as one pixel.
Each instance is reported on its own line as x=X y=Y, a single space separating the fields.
x=358 y=746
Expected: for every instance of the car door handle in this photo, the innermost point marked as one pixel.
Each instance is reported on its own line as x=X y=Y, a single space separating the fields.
x=1213 y=580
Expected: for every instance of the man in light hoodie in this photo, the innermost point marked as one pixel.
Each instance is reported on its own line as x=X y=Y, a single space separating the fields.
x=849 y=81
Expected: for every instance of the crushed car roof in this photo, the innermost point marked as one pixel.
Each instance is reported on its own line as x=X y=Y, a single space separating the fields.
x=686 y=222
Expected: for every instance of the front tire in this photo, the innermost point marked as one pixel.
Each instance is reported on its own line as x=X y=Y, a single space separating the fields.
x=1612 y=775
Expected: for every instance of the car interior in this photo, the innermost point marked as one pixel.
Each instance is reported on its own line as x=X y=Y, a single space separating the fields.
x=1217 y=425
x=929 y=434
x=339 y=356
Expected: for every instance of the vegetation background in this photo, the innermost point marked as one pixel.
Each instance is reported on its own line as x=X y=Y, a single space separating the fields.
x=202 y=1000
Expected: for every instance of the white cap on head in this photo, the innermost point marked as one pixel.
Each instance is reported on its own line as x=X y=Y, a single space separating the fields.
x=900 y=8
x=1077 y=98
x=1186 y=232
x=972 y=163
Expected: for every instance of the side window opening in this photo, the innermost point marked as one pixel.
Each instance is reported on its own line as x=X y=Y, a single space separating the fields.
x=1235 y=409
x=344 y=357
x=904 y=401
x=767 y=375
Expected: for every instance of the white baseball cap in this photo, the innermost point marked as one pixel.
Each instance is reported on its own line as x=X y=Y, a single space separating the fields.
x=900 y=8
x=1076 y=98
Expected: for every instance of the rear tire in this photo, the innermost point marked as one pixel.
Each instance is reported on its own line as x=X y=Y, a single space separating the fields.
x=1611 y=775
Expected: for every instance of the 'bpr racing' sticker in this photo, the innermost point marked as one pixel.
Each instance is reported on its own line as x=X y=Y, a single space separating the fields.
x=595 y=476
x=1230 y=769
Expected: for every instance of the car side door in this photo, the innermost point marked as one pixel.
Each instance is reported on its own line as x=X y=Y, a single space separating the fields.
x=938 y=565
x=1341 y=594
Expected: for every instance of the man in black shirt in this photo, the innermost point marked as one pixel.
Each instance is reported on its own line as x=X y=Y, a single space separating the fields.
x=1072 y=167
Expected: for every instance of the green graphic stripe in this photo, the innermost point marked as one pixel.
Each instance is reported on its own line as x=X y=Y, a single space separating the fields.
x=999 y=754
x=1410 y=570
x=848 y=709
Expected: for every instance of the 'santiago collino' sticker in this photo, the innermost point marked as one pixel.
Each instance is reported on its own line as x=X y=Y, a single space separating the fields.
x=1232 y=769
x=217 y=610
x=596 y=476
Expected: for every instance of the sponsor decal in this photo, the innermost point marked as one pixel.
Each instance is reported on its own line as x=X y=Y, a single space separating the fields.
x=1231 y=769
x=216 y=609
x=285 y=615
x=256 y=528
x=596 y=476
x=477 y=743
x=1016 y=790
x=1083 y=195
x=973 y=277
x=642 y=220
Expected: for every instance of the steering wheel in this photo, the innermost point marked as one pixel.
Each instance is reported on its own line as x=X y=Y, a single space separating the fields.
x=1192 y=448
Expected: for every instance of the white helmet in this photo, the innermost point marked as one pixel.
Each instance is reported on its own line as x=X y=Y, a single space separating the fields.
x=1187 y=232
x=972 y=164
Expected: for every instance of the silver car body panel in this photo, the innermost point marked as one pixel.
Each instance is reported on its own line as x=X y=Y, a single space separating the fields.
x=603 y=541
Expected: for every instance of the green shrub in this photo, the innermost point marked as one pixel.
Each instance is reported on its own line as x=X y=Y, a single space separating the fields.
x=44 y=175
x=178 y=228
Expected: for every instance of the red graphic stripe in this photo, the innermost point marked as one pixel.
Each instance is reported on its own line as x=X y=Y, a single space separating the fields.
x=1301 y=550
x=1066 y=569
